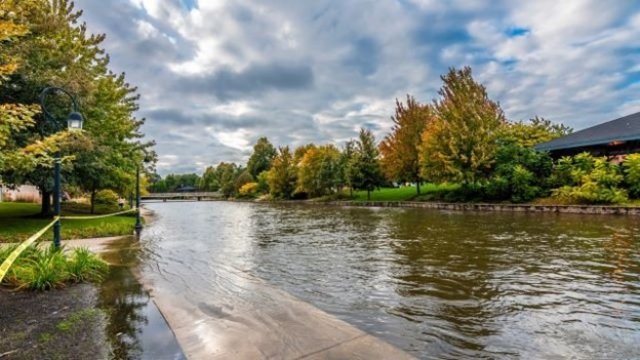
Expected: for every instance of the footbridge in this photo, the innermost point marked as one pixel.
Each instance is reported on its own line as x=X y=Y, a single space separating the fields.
x=198 y=196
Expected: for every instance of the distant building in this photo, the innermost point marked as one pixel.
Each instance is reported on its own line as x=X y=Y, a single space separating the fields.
x=23 y=193
x=614 y=138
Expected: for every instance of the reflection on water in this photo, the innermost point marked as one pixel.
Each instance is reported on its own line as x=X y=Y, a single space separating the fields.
x=436 y=284
x=136 y=329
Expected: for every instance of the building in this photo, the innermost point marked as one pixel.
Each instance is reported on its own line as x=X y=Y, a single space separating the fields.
x=614 y=138
x=22 y=193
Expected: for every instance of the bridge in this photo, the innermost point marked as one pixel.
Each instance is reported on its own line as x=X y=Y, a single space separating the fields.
x=183 y=196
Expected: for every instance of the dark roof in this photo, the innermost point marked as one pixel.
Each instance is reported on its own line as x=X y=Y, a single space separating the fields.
x=626 y=128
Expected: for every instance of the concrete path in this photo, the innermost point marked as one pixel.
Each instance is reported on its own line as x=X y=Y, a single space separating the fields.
x=270 y=324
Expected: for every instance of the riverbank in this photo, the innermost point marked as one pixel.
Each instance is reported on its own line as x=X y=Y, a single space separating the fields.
x=113 y=319
x=18 y=221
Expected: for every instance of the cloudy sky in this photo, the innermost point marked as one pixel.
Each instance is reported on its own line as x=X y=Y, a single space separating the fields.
x=215 y=75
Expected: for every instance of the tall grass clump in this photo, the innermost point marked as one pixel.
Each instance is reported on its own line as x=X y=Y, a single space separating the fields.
x=45 y=269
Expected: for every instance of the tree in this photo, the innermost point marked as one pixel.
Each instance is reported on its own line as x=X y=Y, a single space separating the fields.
x=243 y=178
x=260 y=159
x=57 y=51
x=226 y=174
x=209 y=180
x=346 y=165
x=399 y=150
x=282 y=175
x=366 y=170
x=319 y=171
x=459 y=144
x=536 y=131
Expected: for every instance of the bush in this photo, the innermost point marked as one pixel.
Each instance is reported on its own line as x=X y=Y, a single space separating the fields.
x=591 y=181
x=631 y=167
x=248 y=190
x=106 y=197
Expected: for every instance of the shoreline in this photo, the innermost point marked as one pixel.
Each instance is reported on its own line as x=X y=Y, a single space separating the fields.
x=462 y=207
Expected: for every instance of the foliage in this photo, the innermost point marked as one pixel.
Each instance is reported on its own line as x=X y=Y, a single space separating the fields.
x=248 y=190
x=38 y=269
x=537 y=131
x=172 y=182
x=209 y=180
x=319 y=171
x=45 y=44
x=520 y=173
x=399 y=149
x=263 y=182
x=631 y=167
x=282 y=176
x=86 y=266
x=107 y=197
x=366 y=173
x=459 y=144
x=592 y=181
x=260 y=159
x=242 y=179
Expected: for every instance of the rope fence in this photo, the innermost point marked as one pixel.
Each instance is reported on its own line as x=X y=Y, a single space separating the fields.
x=4 y=268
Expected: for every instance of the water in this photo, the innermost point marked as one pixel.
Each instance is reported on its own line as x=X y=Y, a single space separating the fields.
x=135 y=328
x=436 y=284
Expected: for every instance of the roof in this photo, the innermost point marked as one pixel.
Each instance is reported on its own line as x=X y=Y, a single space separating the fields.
x=626 y=128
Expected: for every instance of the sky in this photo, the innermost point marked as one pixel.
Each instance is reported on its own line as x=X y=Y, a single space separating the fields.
x=215 y=75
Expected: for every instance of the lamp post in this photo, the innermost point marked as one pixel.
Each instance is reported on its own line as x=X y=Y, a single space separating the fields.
x=138 y=226
x=74 y=122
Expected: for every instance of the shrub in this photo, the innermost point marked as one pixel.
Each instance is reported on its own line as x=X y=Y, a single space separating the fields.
x=631 y=167
x=86 y=266
x=592 y=181
x=249 y=189
x=106 y=197
x=38 y=269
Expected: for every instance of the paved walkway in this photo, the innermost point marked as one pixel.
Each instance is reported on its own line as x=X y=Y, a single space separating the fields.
x=269 y=324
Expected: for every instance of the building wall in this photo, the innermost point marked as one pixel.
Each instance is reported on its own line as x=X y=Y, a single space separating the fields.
x=22 y=193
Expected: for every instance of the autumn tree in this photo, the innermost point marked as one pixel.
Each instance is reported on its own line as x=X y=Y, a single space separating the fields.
x=283 y=175
x=459 y=144
x=260 y=159
x=366 y=173
x=400 y=156
x=533 y=132
x=319 y=171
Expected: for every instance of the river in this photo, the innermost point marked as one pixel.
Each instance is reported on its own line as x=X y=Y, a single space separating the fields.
x=435 y=284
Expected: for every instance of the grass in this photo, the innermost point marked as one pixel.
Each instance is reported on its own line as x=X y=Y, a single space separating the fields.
x=18 y=221
x=406 y=193
x=44 y=269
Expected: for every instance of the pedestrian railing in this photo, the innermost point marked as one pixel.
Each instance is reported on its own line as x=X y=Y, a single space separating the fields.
x=4 y=268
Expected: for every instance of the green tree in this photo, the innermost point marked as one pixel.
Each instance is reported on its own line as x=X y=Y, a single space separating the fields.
x=319 y=171
x=260 y=159
x=209 y=180
x=459 y=144
x=399 y=150
x=366 y=169
x=244 y=177
x=282 y=175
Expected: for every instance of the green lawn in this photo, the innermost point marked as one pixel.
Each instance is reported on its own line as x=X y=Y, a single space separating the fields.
x=18 y=221
x=401 y=194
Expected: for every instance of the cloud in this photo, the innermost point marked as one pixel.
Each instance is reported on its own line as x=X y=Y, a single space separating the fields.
x=214 y=76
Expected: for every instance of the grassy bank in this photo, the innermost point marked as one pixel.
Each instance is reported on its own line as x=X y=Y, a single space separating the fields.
x=405 y=193
x=18 y=221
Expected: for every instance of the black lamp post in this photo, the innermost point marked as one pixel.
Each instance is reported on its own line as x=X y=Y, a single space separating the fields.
x=138 y=226
x=74 y=122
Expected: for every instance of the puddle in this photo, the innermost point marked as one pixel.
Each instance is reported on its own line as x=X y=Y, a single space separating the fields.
x=136 y=329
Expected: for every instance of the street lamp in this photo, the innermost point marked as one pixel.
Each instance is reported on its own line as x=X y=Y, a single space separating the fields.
x=74 y=122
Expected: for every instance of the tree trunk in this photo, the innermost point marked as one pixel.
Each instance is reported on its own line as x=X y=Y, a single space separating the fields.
x=418 y=186
x=45 y=207
x=93 y=200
